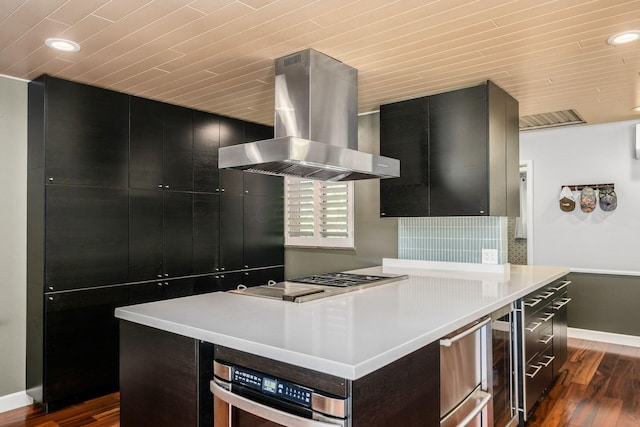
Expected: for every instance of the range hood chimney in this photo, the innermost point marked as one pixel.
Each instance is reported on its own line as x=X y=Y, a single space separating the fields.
x=316 y=126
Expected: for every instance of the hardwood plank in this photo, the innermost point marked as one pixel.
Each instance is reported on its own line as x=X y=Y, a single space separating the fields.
x=599 y=386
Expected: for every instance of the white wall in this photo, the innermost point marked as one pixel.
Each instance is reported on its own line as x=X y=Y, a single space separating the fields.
x=585 y=155
x=13 y=232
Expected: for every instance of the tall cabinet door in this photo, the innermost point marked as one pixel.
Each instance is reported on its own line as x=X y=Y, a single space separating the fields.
x=177 y=237
x=177 y=159
x=86 y=237
x=263 y=231
x=206 y=141
x=145 y=146
x=86 y=135
x=231 y=232
x=231 y=133
x=206 y=232
x=81 y=343
x=458 y=152
x=404 y=135
x=145 y=234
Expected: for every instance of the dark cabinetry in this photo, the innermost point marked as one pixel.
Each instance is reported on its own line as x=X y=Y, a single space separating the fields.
x=458 y=154
x=161 y=146
x=544 y=340
x=126 y=205
x=164 y=391
x=86 y=237
x=81 y=344
x=74 y=115
x=404 y=135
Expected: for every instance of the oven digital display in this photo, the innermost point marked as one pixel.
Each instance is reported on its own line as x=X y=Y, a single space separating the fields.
x=281 y=389
x=269 y=385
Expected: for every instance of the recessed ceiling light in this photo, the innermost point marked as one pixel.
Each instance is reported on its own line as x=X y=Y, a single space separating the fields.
x=62 y=44
x=626 y=37
x=636 y=108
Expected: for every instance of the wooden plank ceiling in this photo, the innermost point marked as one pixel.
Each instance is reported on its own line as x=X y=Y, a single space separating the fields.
x=217 y=55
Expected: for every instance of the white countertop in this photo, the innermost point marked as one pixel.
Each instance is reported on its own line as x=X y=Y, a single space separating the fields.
x=347 y=335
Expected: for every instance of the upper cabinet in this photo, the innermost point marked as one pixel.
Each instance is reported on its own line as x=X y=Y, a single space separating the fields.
x=161 y=146
x=73 y=114
x=458 y=154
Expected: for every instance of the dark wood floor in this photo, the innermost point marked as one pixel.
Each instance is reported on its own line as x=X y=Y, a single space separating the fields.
x=600 y=387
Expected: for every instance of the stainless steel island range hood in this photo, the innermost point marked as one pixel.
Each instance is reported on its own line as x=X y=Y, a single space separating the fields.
x=316 y=126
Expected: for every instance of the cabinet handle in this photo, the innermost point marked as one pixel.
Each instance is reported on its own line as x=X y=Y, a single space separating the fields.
x=532 y=302
x=166 y=186
x=160 y=185
x=565 y=283
x=547 y=294
x=222 y=190
x=51 y=298
x=221 y=268
x=159 y=283
x=534 y=373
x=548 y=361
x=547 y=317
x=50 y=179
x=246 y=274
x=561 y=304
x=531 y=329
x=547 y=340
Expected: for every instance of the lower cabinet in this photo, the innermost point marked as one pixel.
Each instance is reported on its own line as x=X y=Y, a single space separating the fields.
x=164 y=378
x=81 y=345
x=543 y=327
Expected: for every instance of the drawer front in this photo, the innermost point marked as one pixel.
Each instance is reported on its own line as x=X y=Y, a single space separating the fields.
x=538 y=376
x=538 y=333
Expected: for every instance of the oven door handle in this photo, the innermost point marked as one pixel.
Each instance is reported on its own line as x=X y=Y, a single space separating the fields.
x=262 y=411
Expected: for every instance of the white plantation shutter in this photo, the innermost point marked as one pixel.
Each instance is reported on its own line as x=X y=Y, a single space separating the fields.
x=318 y=213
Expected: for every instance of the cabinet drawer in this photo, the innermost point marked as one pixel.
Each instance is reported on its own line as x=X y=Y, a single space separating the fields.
x=538 y=377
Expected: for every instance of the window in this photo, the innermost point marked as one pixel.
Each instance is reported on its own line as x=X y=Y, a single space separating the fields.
x=318 y=213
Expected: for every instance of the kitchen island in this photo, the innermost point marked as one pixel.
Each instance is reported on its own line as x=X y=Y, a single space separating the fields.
x=349 y=336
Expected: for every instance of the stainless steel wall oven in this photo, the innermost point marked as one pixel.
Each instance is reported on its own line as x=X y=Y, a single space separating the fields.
x=264 y=395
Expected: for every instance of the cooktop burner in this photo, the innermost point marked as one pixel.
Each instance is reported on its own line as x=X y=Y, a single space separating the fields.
x=342 y=280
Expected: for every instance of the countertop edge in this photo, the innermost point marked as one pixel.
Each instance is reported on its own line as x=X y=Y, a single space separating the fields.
x=348 y=371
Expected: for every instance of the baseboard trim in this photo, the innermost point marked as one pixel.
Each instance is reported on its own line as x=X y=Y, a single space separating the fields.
x=607 y=337
x=14 y=401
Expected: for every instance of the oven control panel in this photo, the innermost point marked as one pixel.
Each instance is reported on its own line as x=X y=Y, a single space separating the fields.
x=272 y=386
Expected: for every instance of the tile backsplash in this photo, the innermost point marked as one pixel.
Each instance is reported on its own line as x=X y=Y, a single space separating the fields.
x=452 y=239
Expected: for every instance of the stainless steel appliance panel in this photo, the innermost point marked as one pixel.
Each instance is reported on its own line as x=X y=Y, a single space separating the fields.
x=464 y=382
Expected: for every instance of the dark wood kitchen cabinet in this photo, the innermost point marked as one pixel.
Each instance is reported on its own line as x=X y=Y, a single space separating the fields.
x=263 y=231
x=73 y=114
x=160 y=234
x=86 y=237
x=161 y=289
x=168 y=390
x=231 y=250
x=80 y=345
x=206 y=141
x=177 y=234
x=404 y=135
x=126 y=205
x=468 y=165
x=206 y=233
x=160 y=146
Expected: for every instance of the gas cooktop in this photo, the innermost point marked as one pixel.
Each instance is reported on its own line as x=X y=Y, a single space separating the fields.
x=339 y=279
x=317 y=286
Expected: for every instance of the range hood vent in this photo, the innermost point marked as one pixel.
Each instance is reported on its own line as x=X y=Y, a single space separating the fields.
x=316 y=126
x=550 y=120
